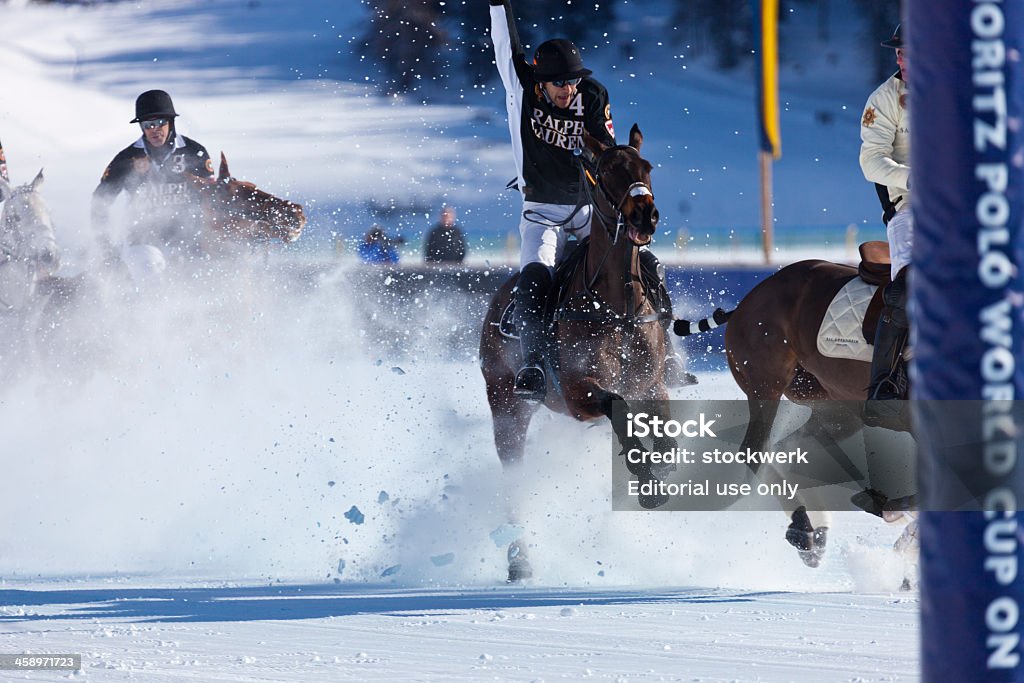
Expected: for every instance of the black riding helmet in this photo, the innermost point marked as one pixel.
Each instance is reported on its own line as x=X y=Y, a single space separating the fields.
x=154 y=104
x=557 y=60
x=896 y=41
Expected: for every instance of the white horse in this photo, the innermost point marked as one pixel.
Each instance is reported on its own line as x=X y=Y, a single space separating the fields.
x=28 y=256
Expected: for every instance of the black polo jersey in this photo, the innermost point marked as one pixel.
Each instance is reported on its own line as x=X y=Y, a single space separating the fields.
x=163 y=206
x=153 y=181
x=550 y=135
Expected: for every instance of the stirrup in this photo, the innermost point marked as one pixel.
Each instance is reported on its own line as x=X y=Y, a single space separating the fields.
x=531 y=383
x=888 y=389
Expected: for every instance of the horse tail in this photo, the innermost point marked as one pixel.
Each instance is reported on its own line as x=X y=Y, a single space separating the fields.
x=685 y=328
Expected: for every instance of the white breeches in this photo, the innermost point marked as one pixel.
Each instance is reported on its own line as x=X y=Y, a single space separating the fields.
x=542 y=240
x=145 y=263
x=900 y=233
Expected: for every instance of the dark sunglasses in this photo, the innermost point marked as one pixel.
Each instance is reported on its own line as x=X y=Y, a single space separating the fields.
x=566 y=81
x=153 y=123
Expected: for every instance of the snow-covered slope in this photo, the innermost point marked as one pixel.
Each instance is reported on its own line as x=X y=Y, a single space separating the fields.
x=234 y=484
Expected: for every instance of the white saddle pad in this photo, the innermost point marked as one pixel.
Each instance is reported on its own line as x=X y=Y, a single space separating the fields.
x=841 y=335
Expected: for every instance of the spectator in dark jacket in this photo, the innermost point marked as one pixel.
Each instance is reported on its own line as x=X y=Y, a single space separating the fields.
x=445 y=242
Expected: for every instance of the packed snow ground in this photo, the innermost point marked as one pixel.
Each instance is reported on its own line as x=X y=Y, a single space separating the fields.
x=229 y=483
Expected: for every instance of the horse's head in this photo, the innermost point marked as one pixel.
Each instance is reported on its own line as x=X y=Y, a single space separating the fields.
x=241 y=209
x=624 y=182
x=26 y=229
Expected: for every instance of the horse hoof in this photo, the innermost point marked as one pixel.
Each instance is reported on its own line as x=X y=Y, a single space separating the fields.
x=518 y=572
x=809 y=542
x=519 y=568
x=810 y=546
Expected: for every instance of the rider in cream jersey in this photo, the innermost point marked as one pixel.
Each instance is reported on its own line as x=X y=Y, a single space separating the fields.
x=885 y=160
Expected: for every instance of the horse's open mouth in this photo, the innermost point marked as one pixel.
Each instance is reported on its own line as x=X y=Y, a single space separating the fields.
x=637 y=238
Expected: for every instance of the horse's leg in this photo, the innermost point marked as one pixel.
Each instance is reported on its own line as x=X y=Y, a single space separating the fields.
x=658 y=393
x=510 y=418
x=807 y=511
x=603 y=400
x=763 y=371
x=767 y=370
x=829 y=423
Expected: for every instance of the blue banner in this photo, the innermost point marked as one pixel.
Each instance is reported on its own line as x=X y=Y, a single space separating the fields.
x=966 y=85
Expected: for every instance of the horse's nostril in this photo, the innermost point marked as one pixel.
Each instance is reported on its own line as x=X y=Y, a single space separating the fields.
x=655 y=217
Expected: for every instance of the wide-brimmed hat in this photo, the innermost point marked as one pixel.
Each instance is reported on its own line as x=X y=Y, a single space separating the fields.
x=153 y=104
x=896 y=40
x=557 y=60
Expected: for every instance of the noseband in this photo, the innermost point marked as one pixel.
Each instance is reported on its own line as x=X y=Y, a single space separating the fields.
x=636 y=189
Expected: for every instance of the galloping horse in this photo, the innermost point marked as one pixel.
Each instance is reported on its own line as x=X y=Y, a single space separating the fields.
x=234 y=216
x=609 y=339
x=237 y=212
x=771 y=344
x=28 y=255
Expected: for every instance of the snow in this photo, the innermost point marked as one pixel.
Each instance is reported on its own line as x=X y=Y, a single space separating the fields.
x=233 y=483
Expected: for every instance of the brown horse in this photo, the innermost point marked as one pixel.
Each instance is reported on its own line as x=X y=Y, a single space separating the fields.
x=238 y=213
x=771 y=344
x=609 y=343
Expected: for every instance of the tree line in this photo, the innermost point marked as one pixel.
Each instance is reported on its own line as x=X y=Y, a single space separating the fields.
x=423 y=45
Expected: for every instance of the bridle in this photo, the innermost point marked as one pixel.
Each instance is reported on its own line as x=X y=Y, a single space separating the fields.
x=635 y=189
x=591 y=176
x=234 y=207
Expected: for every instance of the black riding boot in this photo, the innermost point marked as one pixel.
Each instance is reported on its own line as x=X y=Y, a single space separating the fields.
x=531 y=298
x=890 y=339
x=653 y=274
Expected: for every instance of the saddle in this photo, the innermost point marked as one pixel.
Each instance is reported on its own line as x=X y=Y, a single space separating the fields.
x=875 y=269
x=572 y=258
